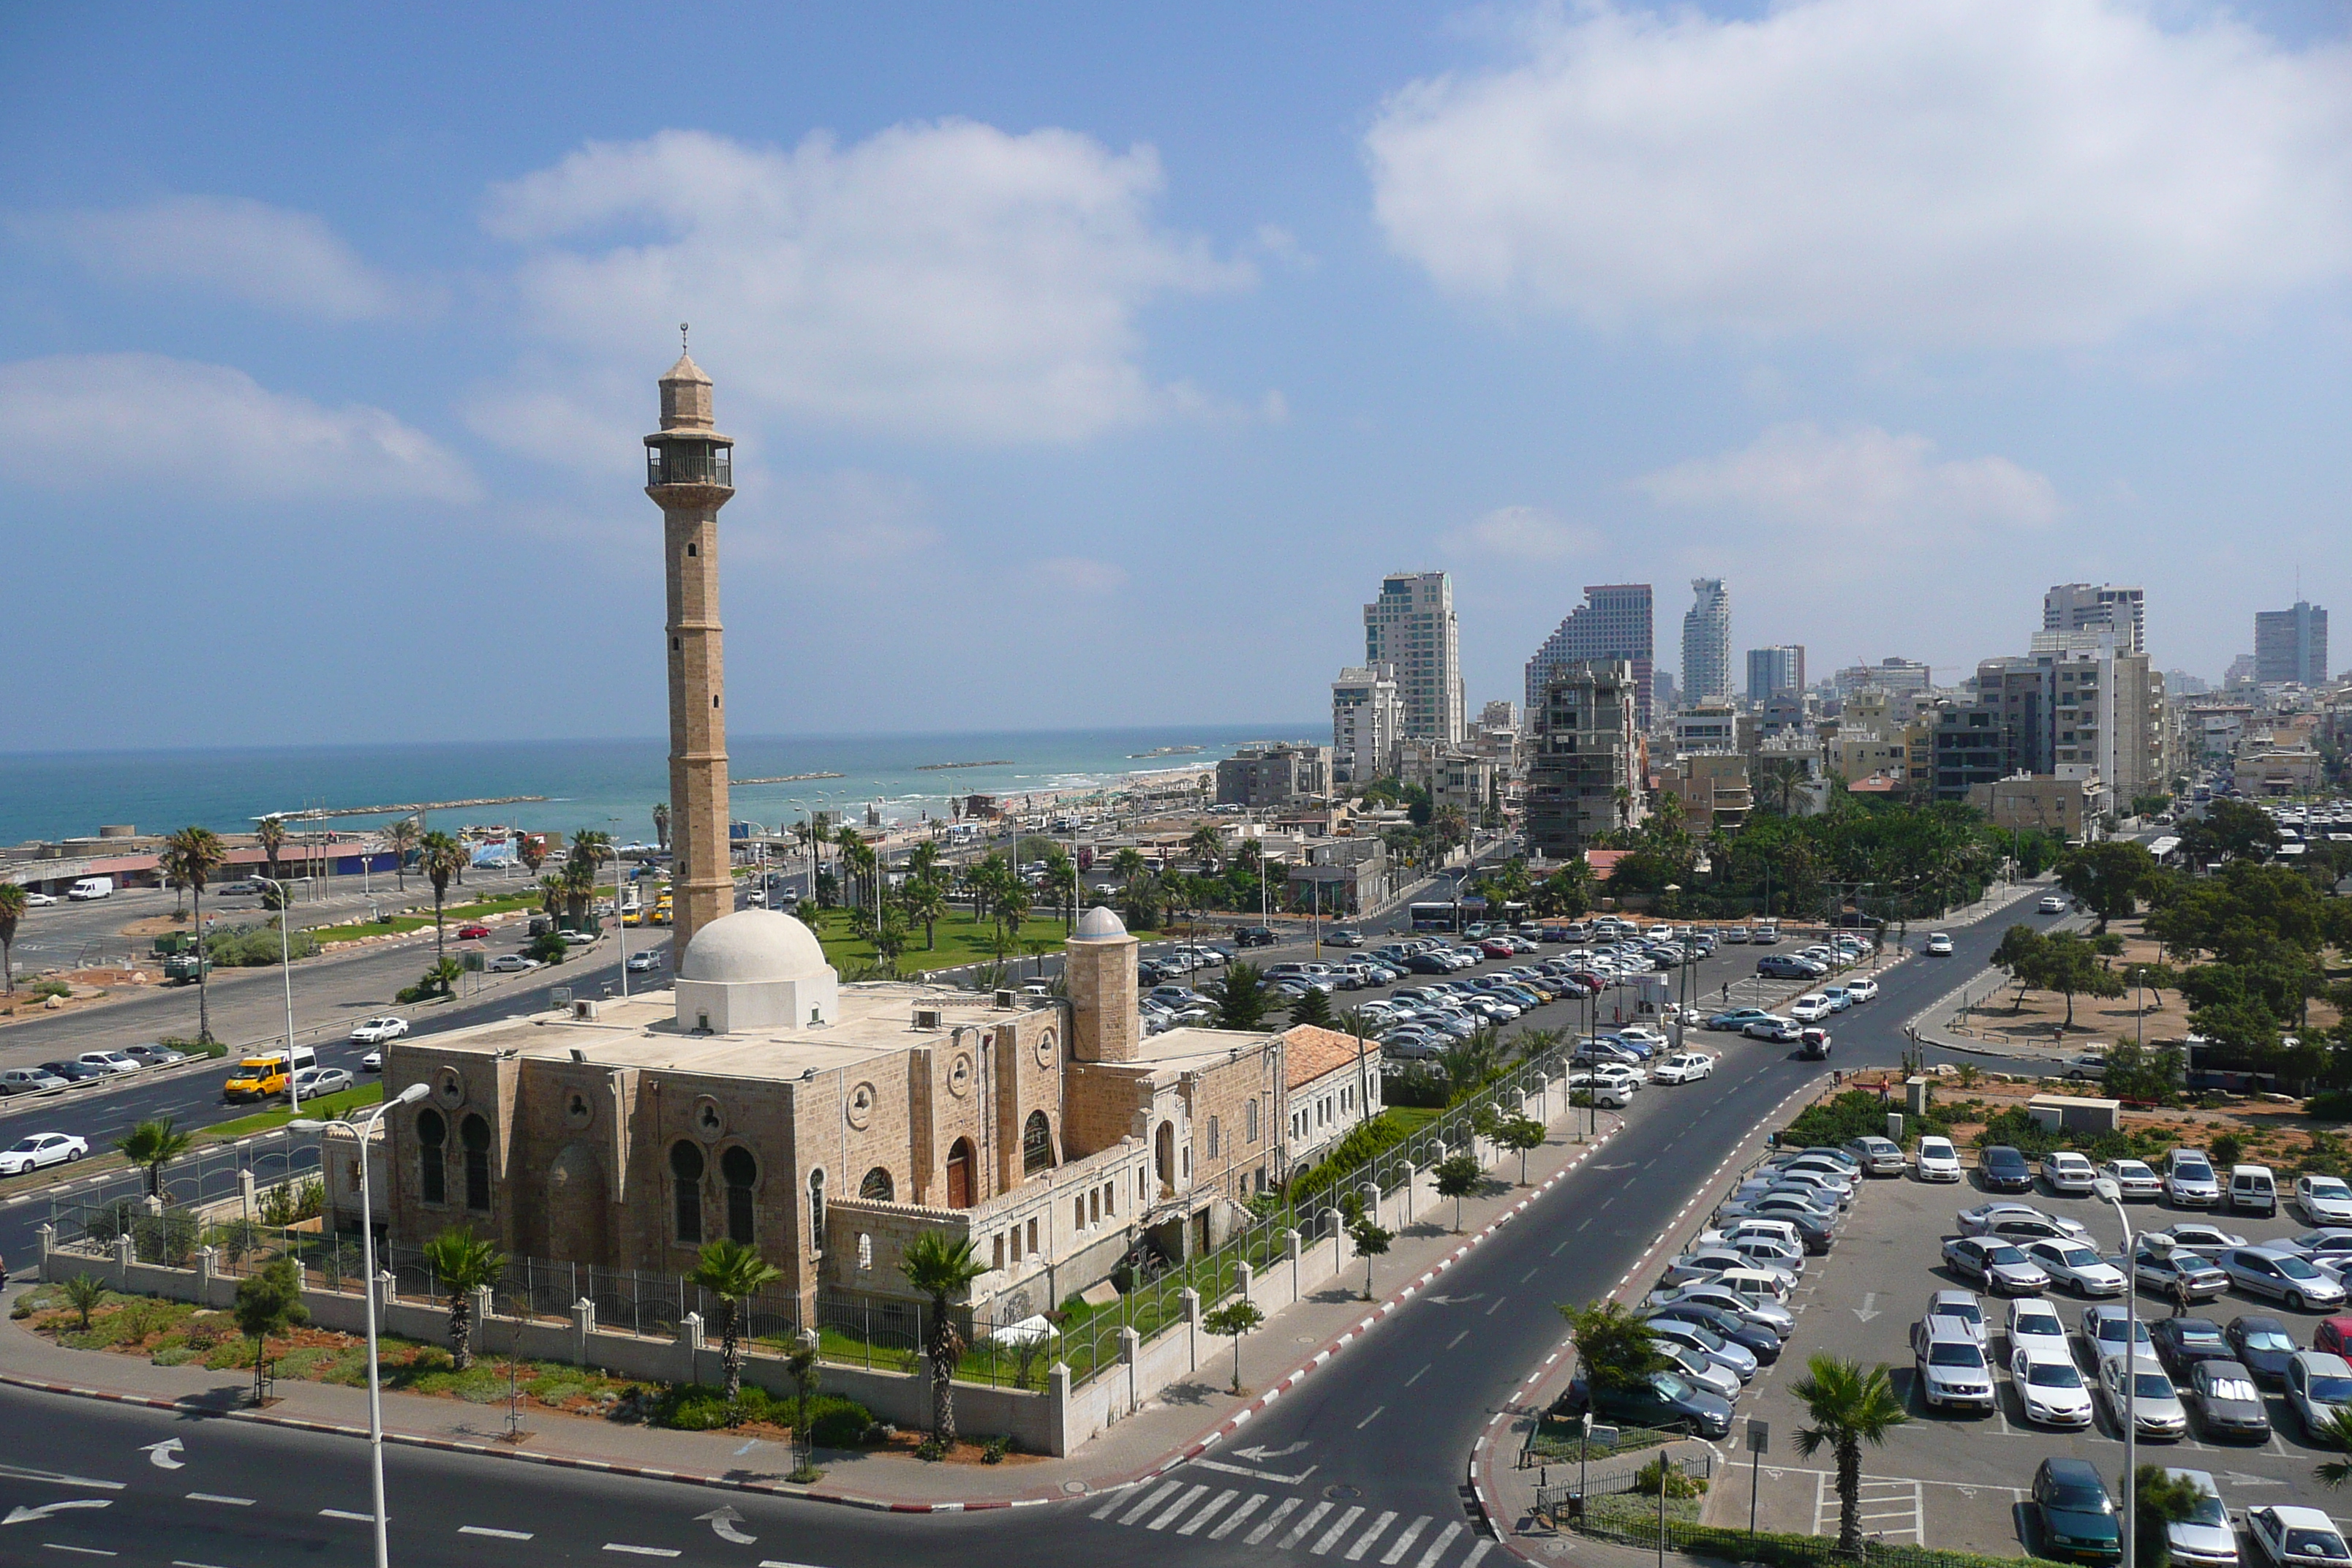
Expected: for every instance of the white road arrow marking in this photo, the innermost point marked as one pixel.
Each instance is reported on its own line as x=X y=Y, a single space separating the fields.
x=1869 y=1308
x=723 y=1522
x=20 y=1515
x=163 y=1454
x=2239 y=1478
x=52 y=1478
x=1454 y=1300
x=1224 y=1469
x=1261 y=1453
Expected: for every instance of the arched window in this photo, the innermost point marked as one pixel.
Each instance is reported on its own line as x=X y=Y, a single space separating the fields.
x=685 y=1166
x=433 y=1173
x=816 y=1210
x=1163 y=1156
x=1036 y=1144
x=741 y=1173
x=876 y=1188
x=960 y=1174
x=865 y=1251
x=475 y=1133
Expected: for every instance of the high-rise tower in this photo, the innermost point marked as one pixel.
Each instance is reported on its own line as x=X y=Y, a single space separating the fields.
x=1706 y=644
x=689 y=473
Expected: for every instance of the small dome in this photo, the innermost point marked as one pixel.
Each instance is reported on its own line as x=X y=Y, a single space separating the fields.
x=686 y=370
x=753 y=946
x=1101 y=923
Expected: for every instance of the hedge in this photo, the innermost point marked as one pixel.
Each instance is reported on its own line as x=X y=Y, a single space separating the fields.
x=1775 y=1550
x=1857 y=1113
x=834 y=1422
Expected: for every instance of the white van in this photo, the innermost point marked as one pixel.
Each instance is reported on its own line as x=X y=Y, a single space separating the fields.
x=2252 y=1191
x=91 y=888
x=1757 y=1284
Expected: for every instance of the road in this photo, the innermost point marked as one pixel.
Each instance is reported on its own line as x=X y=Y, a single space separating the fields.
x=1378 y=1439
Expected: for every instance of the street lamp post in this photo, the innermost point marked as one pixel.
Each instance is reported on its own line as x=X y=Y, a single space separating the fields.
x=286 y=971
x=2105 y=1187
x=360 y=1133
x=620 y=920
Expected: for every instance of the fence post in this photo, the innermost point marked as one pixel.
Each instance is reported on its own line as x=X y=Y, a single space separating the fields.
x=123 y=1255
x=1244 y=1277
x=1411 y=1174
x=583 y=1323
x=1191 y=1301
x=1290 y=1250
x=1129 y=1344
x=205 y=1258
x=689 y=1341
x=387 y=1286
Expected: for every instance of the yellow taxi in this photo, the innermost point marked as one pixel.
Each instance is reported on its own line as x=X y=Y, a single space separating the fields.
x=257 y=1077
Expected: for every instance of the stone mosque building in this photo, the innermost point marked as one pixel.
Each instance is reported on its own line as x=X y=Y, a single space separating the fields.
x=826 y=1124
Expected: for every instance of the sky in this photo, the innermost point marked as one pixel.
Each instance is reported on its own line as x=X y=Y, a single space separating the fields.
x=1090 y=365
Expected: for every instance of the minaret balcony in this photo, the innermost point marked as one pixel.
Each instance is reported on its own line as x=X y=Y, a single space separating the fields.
x=690 y=463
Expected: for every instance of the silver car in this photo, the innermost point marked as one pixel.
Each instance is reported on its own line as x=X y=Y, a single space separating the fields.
x=2167 y=1272
x=2078 y=1267
x=2156 y=1407
x=1879 y=1156
x=1701 y=1369
x=1996 y=1264
x=2319 y=1387
x=2020 y=1223
x=2204 y=1540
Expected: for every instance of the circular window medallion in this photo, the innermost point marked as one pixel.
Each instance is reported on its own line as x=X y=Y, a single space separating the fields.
x=450 y=1086
x=579 y=1108
x=1046 y=1046
x=708 y=1125
x=861 y=1106
x=959 y=1075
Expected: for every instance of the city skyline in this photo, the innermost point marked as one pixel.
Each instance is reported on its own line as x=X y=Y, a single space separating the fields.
x=1162 y=307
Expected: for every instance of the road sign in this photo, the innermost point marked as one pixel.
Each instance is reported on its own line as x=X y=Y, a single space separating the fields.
x=1759 y=1436
x=558 y=996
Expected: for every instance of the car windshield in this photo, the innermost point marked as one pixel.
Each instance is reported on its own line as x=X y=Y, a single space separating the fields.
x=2329 y=1390
x=1935 y=1149
x=2303 y=1542
x=2153 y=1386
x=2329 y=1187
x=2114 y=1328
x=2231 y=1388
x=2053 y=1374
x=2193 y=1170
x=2208 y=1509
x=2075 y=1256
x=1955 y=1354
x=2134 y=1170
x=2267 y=1339
x=2004 y=1254
x=2295 y=1268
x=2038 y=1323
x=2086 y=1497
x=1965 y=1310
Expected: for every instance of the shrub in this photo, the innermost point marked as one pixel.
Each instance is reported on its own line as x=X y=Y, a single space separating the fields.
x=43 y=990
x=2332 y=1105
x=1856 y=1113
x=1647 y=1479
x=176 y=1355
x=2228 y=1149
x=992 y=1452
x=837 y=1423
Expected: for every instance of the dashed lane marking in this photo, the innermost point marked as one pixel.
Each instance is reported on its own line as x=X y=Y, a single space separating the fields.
x=494 y=1534
x=347 y=1513
x=623 y=1546
x=215 y=1496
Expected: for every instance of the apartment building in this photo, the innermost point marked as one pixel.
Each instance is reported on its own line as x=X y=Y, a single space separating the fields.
x=2098 y=608
x=1614 y=622
x=1367 y=722
x=1411 y=628
x=1780 y=667
x=1706 y=644
x=2291 y=645
x=1588 y=770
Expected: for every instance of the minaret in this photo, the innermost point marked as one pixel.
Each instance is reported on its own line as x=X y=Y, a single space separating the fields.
x=689 y=473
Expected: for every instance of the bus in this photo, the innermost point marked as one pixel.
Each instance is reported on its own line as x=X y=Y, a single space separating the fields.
x=1434 y=916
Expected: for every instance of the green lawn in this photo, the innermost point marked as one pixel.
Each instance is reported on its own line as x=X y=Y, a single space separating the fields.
x=326 y=1109
x=455 y=915
x=961 y=939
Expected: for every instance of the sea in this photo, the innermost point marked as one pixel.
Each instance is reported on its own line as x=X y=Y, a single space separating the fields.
x=608 y=784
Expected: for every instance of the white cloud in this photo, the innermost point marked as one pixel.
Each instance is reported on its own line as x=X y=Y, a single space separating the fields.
x=1079 y=575
x=1886 y=492
x=265 y=256
x=936 y=280
x=135 y=421
x=1929 y=173
x=851 y=517
x=1521 y=534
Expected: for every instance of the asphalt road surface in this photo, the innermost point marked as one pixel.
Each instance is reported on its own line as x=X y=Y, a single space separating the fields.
x=1362 y=1462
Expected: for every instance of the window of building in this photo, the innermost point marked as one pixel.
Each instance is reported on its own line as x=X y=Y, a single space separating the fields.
x=1016 y=1243
x=1033 y=1236
x=686 y=1166
x=876 y=1188
x=1095 y=1206
x=1079 y=1214
x=865 y=1251
x=741 y=1172
x=475 y=1133
x=1036 y=1144
x=1249 y=1121
x=433 y=1173
x=1212 y=1136
x=999 y=1259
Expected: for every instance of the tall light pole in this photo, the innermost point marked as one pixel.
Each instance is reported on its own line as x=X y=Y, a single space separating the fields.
x=285 y=969
x=620 y=920
x=2105 y=1187
x=361 y=1132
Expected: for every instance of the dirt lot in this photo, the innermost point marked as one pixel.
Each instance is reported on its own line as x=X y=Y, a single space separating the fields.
x=2099 y=1021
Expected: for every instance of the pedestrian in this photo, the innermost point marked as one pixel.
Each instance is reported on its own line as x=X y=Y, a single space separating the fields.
x=3 y=1274
x=2179 y=1294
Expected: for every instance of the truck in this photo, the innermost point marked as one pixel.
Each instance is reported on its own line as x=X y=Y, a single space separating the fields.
x=184 y=967
x=90 y=888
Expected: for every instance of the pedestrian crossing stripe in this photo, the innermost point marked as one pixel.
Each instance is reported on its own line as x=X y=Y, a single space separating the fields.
x=1324 y=1530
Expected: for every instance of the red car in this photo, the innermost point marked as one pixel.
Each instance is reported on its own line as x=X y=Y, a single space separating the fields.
x=2332 y=1335
x=1495 y=947
x=474 y=932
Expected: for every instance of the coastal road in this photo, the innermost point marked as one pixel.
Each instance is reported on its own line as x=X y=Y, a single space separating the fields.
x=1384 y=1430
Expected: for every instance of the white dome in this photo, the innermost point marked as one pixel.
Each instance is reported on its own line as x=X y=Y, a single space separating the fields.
x=1101 y=923
x=753 y=946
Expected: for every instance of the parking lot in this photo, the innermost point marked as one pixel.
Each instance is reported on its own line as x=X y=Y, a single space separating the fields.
x=1961 y=1481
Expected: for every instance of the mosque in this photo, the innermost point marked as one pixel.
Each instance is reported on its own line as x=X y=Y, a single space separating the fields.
x=828 y=1124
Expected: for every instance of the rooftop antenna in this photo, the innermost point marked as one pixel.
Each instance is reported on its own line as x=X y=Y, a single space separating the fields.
x=681 y=337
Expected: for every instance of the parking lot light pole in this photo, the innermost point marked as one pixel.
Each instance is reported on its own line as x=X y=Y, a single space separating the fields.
x=285 y=969
x=361 y=1132
x=2105 y=1187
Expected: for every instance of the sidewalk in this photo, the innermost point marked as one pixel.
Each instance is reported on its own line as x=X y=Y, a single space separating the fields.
x=1184 y=1419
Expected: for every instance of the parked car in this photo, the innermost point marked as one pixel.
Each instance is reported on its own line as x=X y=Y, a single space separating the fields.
x=29 y=1080
x=2263 y=1346
x=73 y=1072
x=2166 y=1271
x=2228 y=1403
x=2107 y=1329
x=2182 y=1343
x=2291 y=1537
x=2068 y=1173
x=38 y=1149
x=1878 y=1157
x=2002 y=1169
x=1734 y=1019
x=2284 y=1277
x=2078 y=1267
x=155 y=1053
x=2318 y=1386
x=110 y=1061
x=2332 y=1334
x=2205 y=1538
x=321 y=1080
x=2155 y=1404
x=2324 y=1200
x=376 y=1031
x=2034 y=1322
x=1664 y=1400
x=2193 y=1236
x=2134 y=1182
x=2188 y=1180
x=2073 y=1513
x=1997 y=1266
x=1935 y=1160
x=2051 y=904
x=1864 y=990
x=2050 y=1386
x=1736 y=1359
x=1788 y=966
x=1760 y=1342
x=2252 y=1190
x=1951 y=1365
x=2022 y=1223
x=1686 y=1067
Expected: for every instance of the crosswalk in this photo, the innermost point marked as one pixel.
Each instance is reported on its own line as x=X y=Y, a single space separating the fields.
x=1350 y=1533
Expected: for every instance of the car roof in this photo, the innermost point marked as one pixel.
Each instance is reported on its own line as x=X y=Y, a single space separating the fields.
x=1957 y=1297
x=2299 y=1516
x=2324 y=1361
x=2059 y=1467
x=1941 y=1327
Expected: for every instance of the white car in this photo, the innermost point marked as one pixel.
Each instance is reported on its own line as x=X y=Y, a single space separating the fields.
x=2133 y=1179
x=1936 y=1160
x=109 y=1061
x=1643 y=1035
x=376 y=1031
x=1862 y=990
x=2204 y=1540
x=511 y=963
x=1810 y=1009
x=2296 y=1536
x=578 y=938
x=2325 y=1200
x=2049 y=1385
x=372 y=1062
x=41 y=1148
x=1939 y=946
x=38 y=900
x=2034 y=1324
x=2068 y=1173
x=2051 y=904
x=1686 y=1068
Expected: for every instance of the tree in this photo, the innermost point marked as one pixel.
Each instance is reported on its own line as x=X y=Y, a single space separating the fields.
x=2160 y=1500
x=1847 y=1407
x=2336 y=1432
x=1458 y=1176
x=940 y=1266
x=1206 y=845
x=13 y=904
x=1614 y=1346
x=1060 y=877
x=1127 y=864
x=154 y=1144
x=83 y=1293
x=402 y=838
x=802 y=1365
x=1523 y=1135
x=440 y=858
x=532 y=853
x=661 y=825
x=1372 y=1241
x=270 y=831
x=2070 y=966
x=1314 y=1006
x=734 y=1273
x=196 y=853
x=463 y=1263
x=2107 y=878
x=1242 y=997
x=1235 y=1317
x=267 y=1303
x=925 y=901
x=2142 y=1074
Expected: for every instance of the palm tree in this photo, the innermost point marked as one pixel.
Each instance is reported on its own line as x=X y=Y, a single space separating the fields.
x=1061 y=880
x=1206 y=845
x=154 y=1144
x=1128 y=864
x=661 y=825
x=734 y=1273
x=402 y=838
x=271 y=833
x=533 y=854
x=463 y=1263
x=940 y=1266
x=198 y=853
x=440 y=858
x=2336 y=1432
x=925 y=901
x=12 y=909
x=1848 y=1408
